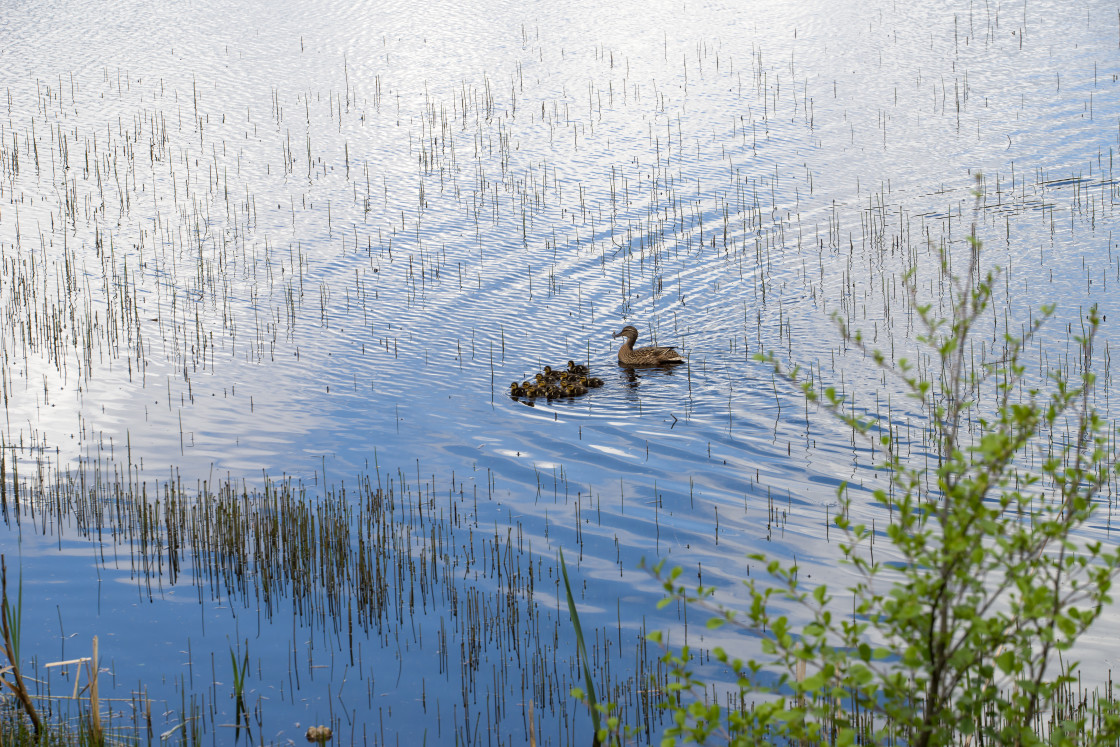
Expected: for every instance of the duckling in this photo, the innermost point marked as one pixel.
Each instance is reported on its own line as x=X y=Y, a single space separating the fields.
x=648 y=356
x=516 y=390
x=577 y=369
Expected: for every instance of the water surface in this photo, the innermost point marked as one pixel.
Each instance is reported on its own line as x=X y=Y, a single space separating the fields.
x=272 y=246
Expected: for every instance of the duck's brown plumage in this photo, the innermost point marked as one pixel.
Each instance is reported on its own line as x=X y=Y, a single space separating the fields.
x=649 y=356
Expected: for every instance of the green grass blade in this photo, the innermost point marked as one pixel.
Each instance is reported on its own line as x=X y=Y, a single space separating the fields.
x=582 y=649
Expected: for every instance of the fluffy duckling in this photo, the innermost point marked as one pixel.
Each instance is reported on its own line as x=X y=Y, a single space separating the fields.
x=577 y=369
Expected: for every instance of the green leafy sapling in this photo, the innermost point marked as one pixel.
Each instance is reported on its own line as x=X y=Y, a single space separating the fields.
x=990 y=580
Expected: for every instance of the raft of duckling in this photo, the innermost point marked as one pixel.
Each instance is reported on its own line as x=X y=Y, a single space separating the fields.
x=550 y=384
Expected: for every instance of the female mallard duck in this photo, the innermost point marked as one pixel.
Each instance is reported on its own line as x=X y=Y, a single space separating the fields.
x=650 y=356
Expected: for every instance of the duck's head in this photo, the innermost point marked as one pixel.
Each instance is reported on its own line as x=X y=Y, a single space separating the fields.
x=629 y=332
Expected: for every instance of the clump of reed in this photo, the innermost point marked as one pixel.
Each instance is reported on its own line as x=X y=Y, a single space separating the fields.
x=15 y=722
x=363 y=562
x=10 y=619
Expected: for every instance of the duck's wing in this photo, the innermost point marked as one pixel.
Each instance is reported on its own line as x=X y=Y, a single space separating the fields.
x=653 y=355
x=669 y=354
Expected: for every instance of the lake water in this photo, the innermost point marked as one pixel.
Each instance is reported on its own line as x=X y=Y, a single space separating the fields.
x=289 y=257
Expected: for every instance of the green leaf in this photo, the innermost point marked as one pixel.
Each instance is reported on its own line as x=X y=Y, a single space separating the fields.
x=1006 y=662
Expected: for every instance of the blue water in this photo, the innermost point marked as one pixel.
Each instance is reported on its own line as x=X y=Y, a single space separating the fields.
x=319 y=242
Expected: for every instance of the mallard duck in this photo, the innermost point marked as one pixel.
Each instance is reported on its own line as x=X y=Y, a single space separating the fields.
x=650 y=356
x=577 y=369
x=516 y=390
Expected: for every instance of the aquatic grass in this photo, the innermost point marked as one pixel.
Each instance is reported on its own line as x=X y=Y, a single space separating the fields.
x=239 y=672
x=97 y=733
x=356 y=562
x=86 y=729
x=587 y=695
x=10 y=628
